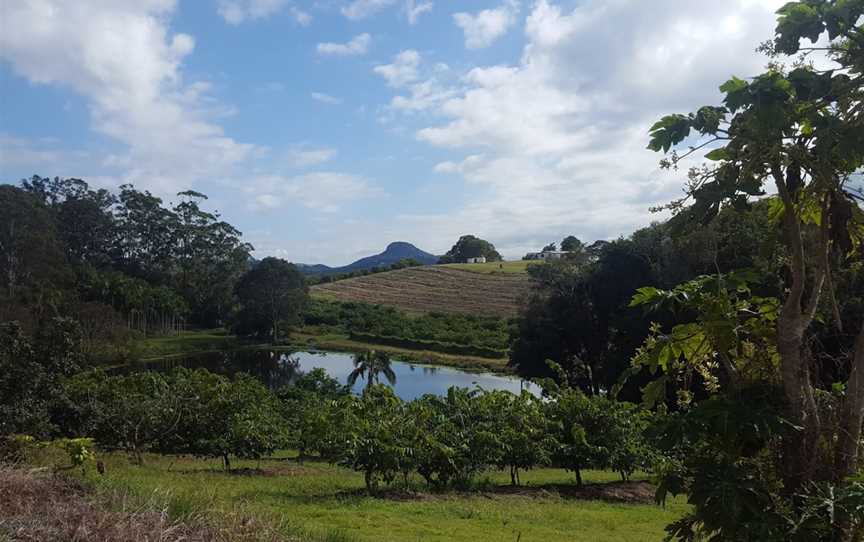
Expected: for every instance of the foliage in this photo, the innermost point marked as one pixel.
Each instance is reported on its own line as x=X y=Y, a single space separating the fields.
x=31 y=368
x=373 y=444
x=469 y=246
x=447 y=328
x=225 y=417
x=595 y=432
x=271 y=295
x=522 y=440
x=133 y=413
x=312 y=411
x=797 y=128
x=79 y=450
x=578 y=318
x=63 y=244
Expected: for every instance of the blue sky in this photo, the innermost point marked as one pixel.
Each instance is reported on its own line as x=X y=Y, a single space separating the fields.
x=326 y=129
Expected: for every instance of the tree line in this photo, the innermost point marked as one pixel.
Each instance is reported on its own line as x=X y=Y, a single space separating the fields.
x=128 y=261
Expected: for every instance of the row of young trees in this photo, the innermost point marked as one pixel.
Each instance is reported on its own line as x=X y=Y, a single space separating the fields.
x=446 y=440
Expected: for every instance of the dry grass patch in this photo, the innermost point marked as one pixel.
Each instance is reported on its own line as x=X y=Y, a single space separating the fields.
x=36 y=505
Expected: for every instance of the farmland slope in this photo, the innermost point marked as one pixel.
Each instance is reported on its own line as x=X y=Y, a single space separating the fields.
x=434 y=288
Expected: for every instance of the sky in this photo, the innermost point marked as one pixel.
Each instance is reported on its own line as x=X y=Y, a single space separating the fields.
x=325 y=129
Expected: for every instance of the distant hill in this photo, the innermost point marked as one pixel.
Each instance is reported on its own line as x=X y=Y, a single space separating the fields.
x=392 y=254
x=434 y=289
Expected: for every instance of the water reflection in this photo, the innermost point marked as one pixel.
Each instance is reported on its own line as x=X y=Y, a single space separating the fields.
x=277 y=369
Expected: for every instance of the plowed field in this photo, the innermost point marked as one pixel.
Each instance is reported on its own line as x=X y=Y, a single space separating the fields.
x=434 y=288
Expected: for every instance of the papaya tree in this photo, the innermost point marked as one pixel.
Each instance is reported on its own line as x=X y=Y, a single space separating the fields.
x=796 y=130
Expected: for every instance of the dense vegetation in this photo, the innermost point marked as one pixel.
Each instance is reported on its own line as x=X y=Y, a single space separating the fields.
x=759 y=348
x=435 y=328
x=123 y=265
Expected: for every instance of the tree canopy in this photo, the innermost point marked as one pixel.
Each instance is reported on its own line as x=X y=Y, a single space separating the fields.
x=469 y=246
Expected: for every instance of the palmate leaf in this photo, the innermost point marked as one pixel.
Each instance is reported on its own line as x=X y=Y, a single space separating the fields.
x=645 y=295
x=736 y=93
x=654 y=392
x=669 y=131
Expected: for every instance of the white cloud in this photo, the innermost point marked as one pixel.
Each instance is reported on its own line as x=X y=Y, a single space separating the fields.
x=324 y=191
x=302 y=157
x=402 y=71
x=414 y=9
x=360 y=9
x=555 y=143
x=357 y=46
x=238 y=11
x=125 y=61
x=325 y=98
x=486 y=26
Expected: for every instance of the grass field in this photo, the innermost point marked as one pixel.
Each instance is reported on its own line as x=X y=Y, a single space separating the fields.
x=434 y=288
x=323 y=502
x=517 y=267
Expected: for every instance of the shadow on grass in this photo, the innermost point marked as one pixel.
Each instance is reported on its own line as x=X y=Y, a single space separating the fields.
x=637 y=493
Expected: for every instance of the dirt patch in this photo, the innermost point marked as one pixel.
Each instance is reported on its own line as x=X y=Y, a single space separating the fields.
x=45 y=507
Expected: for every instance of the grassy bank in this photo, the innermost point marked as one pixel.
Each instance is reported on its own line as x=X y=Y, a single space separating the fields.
x=338 y=342
x=326 y=502
x=192 y=342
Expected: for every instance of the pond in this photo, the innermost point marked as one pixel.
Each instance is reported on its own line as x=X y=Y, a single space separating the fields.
x=278 y=368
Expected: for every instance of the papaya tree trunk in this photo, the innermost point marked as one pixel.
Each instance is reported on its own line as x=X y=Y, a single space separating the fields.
x=852 y=415
x=795 y=317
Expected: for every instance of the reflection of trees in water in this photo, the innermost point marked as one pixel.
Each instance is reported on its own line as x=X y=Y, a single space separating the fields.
x=274 y=369
x=429 y=371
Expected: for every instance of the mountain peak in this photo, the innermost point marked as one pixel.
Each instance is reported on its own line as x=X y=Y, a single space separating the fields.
x=395 y=251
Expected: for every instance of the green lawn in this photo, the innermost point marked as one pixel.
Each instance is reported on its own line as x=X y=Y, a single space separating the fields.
x=323 y=502
x=518 y=267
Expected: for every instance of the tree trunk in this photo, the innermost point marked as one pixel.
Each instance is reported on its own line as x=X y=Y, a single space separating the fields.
x=226 y=461
x=369 y=478
x=578 y=477
x=794 y=319
x=852 y=415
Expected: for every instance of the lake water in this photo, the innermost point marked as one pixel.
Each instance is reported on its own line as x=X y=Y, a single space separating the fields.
x=276 y=368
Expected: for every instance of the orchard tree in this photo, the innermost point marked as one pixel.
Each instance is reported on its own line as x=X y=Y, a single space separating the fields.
x=799 y=131
x=270 y=294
